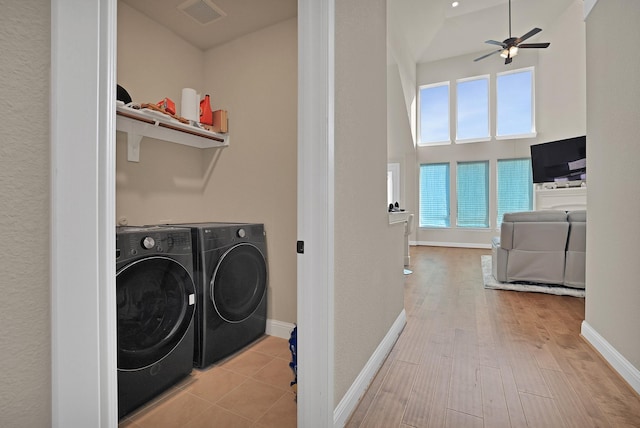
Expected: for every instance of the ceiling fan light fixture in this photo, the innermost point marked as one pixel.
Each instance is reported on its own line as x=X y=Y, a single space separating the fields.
x=509 y=52
x=509 y=47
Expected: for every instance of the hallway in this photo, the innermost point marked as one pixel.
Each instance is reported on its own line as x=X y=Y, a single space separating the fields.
x=470 y=357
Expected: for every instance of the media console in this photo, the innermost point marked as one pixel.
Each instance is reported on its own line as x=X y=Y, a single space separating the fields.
x=563 y=197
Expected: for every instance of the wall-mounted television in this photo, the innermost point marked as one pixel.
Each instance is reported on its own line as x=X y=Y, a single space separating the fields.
x=561 y=161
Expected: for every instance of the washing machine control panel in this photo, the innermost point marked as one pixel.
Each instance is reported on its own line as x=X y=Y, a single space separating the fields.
x=148 y=242
x=241 y=233
x=135 y=241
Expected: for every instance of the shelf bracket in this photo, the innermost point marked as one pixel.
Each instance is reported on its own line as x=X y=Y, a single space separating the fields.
x=133 y=147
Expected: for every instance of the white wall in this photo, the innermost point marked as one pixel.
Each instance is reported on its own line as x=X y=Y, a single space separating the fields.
x=561 y=85
x=252 y=180
x=255 y=178
x=25 y=327
x=560 y=112
x=145 y=68
x=153 y=63
x=368 y=252
x=400 y=146
x=613 y=129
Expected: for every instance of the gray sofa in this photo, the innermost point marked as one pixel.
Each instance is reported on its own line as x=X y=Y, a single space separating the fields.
x=547 y=247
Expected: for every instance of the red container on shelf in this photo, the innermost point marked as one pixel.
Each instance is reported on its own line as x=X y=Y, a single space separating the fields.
x=206 y=115
x=168 y=105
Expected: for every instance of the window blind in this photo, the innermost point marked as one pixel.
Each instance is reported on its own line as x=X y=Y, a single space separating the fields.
x=515 y=186
x=434 y=195
x=472 y=185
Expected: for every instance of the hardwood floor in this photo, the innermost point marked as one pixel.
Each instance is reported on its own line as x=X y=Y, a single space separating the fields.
x=470 y=357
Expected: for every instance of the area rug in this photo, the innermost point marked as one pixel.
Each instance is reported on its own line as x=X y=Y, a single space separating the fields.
x=491 y=282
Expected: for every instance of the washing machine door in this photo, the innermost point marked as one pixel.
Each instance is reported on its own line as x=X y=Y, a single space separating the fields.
x=239 y=282
x=156 y=302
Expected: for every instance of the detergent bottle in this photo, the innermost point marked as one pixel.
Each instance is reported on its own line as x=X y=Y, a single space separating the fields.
x=206 y=115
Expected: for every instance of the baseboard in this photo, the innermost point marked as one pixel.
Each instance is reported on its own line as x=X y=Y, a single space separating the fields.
x=350 y=400
x=453 y=244
x=619 y=363
x=279 y=328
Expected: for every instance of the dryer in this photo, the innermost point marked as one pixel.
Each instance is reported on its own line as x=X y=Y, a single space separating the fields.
x=155 y=294
x=230 y=264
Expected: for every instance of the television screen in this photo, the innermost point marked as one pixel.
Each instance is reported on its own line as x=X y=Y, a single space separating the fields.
x=560 y=161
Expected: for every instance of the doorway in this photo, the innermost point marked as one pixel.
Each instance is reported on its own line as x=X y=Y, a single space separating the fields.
x=82 y=210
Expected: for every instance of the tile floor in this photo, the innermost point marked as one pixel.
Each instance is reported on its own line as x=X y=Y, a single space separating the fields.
x=249 y=389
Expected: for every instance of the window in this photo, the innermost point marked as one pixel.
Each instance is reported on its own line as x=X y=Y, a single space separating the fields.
x=515 y=104
x=472 y=109
x=515 y=186
x=434 y=195
x=434 y=114
x=472 y=185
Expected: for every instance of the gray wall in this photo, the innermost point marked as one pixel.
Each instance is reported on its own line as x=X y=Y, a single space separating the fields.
x=25 y=335
x=613 y=234
x=368 y=252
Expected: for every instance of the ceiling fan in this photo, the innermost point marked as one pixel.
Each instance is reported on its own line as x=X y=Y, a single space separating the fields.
x=509 y=47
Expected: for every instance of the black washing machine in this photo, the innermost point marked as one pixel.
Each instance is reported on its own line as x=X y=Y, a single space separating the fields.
x=156 y=300
x=230 y=264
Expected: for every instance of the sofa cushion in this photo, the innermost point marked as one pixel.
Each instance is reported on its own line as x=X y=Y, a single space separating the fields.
x=575 y=264
x=499 y=260
x=534 y=230
x=534 y=243
x=536 y=216
x=578 y=215
x=536 y=266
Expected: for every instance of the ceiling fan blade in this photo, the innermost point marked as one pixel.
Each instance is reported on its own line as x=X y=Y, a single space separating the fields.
x=489 y=54
x=494 y=42
x=529 y=34
x=534 y=45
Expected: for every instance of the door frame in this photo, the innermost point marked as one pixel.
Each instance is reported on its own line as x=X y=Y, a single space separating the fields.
x=82 y=240
x=316 y=52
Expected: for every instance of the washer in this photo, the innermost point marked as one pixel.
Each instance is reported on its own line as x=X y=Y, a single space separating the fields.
x=230 y=264
x=155 y=295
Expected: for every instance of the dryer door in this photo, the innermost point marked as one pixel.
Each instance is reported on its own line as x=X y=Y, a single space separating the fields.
x=156 y=302
x=239 y=282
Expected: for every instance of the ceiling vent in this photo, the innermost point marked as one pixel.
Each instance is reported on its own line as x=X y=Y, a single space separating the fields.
x=202 y=11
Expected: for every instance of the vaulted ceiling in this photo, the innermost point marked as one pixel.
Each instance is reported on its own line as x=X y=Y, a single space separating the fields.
x=431 y=29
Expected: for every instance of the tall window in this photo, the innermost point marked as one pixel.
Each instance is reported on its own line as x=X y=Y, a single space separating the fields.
x=515 y=186
x=515 y=104
x=472 y=117
x=472 y=185
x=434 y=114
x=434 y=195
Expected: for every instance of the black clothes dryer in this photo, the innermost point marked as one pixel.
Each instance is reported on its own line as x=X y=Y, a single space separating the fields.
x=230 y=264
x=155 y=295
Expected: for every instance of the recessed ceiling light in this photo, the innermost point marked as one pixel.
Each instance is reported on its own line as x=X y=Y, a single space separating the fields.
x=455 y=4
